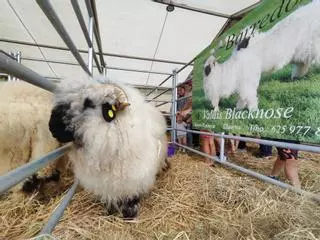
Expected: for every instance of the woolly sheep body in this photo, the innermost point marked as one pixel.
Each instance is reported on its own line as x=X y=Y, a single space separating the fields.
x=24 y=116
x=267 y=51
x=118 y=159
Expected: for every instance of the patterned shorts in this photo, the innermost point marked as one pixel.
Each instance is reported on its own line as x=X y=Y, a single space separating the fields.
x=286 y=153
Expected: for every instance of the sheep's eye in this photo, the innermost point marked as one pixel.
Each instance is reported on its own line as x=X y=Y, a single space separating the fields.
x=109 y=112
x=88 y=103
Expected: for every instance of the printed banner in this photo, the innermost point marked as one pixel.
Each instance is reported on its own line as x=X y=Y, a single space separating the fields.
x=261 y=77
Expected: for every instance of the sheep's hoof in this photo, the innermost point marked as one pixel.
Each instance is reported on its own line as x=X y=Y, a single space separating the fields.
x=166 y=166
x=130 y=213
x=112 y=210
x=31 y=184
x=55 y=176
x=130 y=208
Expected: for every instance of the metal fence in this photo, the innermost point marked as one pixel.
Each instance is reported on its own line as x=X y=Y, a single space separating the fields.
x=10 y=66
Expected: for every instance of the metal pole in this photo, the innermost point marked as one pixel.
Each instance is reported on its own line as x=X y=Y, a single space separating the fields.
x=160 y=101
x=222 y=143
x=15 y=176
x=262 y=177
x=91 y=6
x=108 y=67
x=58 y=212
x=85 y=51
x=10 y=66
x=10 y=78
x=165 y=91
x=83 y=26
x=77 y=11
x=48 y=10
x=194 y=9
x=90 y=50
x=104 y=71
x=18 y=57
x=174 y=107
x=156 y=88
x=300 y=147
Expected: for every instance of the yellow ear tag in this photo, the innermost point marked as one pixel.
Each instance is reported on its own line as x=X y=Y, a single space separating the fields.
x=110 y=113
x=114 y=108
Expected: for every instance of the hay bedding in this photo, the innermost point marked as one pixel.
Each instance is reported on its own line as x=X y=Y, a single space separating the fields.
x=191 y=201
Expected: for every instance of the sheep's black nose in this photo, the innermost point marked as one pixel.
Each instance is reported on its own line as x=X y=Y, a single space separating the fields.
x=59 y=122
x=207 y=70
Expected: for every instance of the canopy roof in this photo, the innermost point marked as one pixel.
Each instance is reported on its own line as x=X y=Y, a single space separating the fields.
x=139 y=28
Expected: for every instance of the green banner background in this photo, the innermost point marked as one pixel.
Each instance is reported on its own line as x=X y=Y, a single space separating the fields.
x=276 y=90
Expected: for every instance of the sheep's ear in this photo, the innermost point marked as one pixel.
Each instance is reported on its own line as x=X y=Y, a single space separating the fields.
x=122 y=105
x=88 y=103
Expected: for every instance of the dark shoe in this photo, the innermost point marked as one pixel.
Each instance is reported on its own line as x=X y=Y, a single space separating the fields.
x=274 y=177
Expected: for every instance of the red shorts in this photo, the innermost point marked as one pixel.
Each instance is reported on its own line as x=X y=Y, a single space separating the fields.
x=205 y=136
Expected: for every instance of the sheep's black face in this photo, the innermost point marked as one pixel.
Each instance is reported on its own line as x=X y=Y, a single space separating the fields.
x=59 y=123
x=207 y=70
x=209 y=65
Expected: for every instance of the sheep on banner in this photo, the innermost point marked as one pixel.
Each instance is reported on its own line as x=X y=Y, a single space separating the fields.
x=295 y=39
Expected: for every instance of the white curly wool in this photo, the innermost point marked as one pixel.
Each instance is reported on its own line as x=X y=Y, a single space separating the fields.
x=24 y=115
x=295 y=39
x=116 y=159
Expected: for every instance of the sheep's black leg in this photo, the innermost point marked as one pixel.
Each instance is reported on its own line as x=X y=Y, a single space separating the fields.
x=54 y=177
x=113 y=208
x=34 y=183
x=31 y=184
x=166 y=166
x=130 y=207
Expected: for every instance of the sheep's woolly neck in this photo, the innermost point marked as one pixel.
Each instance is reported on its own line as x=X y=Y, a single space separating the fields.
x=120 y=158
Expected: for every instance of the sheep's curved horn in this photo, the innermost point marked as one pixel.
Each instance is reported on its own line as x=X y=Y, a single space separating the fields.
x=122 y=98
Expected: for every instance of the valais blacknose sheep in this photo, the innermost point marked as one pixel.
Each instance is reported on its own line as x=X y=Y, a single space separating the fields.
x=119 y=140
x=25 y=136
x=295 y=39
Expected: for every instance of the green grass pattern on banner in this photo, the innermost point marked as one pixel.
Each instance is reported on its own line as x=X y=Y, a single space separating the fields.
x=276 y=90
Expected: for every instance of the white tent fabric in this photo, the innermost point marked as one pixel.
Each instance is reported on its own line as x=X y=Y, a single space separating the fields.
x=126 y=27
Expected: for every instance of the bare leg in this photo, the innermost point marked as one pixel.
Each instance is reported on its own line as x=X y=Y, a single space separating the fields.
x=212 y=151
x=184 y=142
x=291 y=171
x=205 y=147
x=277 y=167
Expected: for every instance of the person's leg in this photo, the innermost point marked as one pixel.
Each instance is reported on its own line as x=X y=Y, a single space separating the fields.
x=189 y=136
x=277 y=167
x=216 y=142
x=184 y=142
x=180 y=142
x=291 y=171
x=213 y=152
x=205 y=147
x=212 y=147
